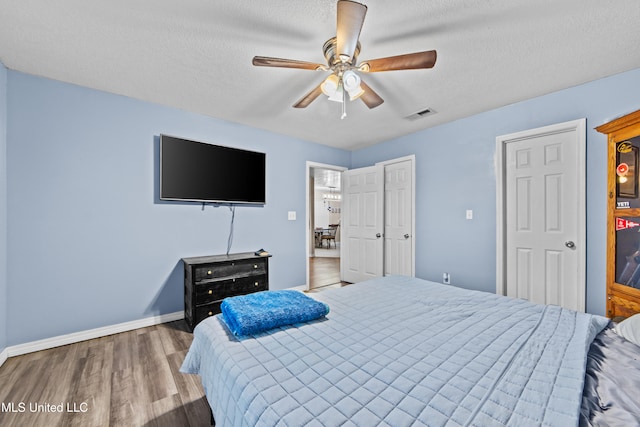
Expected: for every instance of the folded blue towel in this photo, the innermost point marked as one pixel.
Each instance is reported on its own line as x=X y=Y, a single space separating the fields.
x=261 y=311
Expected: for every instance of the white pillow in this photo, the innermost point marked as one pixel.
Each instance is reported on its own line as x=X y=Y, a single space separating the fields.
x=630 y=329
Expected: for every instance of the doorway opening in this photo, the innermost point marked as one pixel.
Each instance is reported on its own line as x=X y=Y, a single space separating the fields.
x=324 y=210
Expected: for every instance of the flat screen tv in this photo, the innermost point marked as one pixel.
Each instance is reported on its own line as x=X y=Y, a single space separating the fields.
x=199 y=172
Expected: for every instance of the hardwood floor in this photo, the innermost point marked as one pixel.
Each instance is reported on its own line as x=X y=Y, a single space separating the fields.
x=127 y=379
x=324 y=272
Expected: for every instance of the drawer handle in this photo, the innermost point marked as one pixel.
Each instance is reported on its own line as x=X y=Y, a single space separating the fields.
x=255 y=284
x=255 y=265
x=209 y=272
x=210 y=313
x=210 y=291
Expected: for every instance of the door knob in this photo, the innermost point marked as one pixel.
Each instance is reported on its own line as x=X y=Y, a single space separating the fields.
x=378 y=235
x=570 y=244
x=406 y=236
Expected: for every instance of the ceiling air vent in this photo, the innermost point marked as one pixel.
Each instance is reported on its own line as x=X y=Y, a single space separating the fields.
x=422 y=113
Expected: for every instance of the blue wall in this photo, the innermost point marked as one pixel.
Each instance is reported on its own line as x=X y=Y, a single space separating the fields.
x=3 y=207
x=90 y=244
x=456 y=171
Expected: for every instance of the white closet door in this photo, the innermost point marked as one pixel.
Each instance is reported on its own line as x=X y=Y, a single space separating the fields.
x=542 y=213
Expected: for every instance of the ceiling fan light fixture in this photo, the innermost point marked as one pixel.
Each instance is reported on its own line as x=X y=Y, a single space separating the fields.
x=330 y=85
x=351 y=82
x=341 y=53
x=353 y=95
x=338 y=95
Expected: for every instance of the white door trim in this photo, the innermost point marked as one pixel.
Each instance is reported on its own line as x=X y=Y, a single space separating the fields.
x=412 y=158
x=307 y=215
x=578 y=126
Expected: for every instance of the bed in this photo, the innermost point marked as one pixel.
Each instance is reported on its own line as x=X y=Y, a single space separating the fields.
x=400 y=351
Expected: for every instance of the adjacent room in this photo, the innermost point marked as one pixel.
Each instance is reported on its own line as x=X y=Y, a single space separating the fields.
x=325 y=212
x=422 y=194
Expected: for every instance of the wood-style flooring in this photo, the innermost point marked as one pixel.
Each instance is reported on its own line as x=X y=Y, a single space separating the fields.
x=324 y=272
x=127 y=379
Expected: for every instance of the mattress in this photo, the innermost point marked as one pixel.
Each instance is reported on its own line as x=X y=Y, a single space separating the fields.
x=400 y=351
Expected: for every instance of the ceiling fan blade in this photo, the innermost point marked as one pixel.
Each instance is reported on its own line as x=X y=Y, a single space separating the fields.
x=309 y=98
x=409 y=61
x=370 y=97
x=265 y=61
x=349 y=23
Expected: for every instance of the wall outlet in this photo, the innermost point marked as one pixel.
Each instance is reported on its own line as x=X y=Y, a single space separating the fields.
x=469 y=214
x=291 y=215
x=446 y=278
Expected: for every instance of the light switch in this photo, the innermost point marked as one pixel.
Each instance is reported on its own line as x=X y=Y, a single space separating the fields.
x=292 y=216
x=446 y=278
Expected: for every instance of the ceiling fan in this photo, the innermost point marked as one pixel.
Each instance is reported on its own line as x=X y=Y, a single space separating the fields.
x=341 y=53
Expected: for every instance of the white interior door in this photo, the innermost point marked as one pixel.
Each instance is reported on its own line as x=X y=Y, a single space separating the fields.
x=398 y=218
x=543 y=196
x=362 y=224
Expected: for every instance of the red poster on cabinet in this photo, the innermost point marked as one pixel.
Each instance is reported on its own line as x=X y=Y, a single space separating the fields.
x=623 y=224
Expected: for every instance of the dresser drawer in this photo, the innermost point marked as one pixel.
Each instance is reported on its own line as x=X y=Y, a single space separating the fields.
x=214 y=291
x=224 y=269
x=207 y=310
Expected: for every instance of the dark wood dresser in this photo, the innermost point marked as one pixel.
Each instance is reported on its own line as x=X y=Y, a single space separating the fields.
x=210 y=279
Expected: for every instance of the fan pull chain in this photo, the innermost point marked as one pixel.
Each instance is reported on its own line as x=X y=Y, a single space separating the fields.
x=344 y=102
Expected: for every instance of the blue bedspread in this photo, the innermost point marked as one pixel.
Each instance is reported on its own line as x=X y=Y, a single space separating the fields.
x=262 y=311
x=400 y=351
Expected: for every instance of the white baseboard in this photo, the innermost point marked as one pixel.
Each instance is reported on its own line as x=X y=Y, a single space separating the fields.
x=47 y=343
x=4 y=355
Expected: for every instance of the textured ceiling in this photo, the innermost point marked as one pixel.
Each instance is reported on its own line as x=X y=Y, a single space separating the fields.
x=196 y=55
